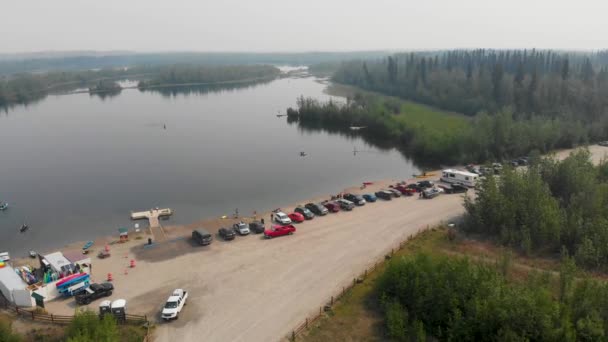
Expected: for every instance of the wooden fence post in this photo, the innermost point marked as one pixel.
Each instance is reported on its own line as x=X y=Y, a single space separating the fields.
x=293 y=335
x=354 y=281
x=332 y=300
x=52 y=318
x=32 y=315
x=306 y=323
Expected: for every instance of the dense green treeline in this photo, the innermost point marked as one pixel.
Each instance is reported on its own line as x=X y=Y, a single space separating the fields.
x=552 y=204
x=444 y=139
x=545 y=83
x=184 y=74
x=454 y=299
x=570 y=87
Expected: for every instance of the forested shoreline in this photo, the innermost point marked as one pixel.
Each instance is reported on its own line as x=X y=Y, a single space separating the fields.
x=190 y=74
x=519 y=101
x=25 y=88
x=484 y=137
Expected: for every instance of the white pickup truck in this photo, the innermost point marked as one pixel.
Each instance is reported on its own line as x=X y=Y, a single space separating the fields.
x=174 y=304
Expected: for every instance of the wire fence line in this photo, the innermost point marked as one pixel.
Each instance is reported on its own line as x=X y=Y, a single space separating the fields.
x=62 y=319
x=308 y=321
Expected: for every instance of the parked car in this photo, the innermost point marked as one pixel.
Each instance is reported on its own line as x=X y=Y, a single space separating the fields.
x=453 y=188
x=486 y=170
x=296 y=217
x=345 y=204
x=332 y=206
x=603 y=143
x=174 y=304
x=431 y=192
x=309 y=215
x=356 y=199
x=281 y=218
x=226 y=234
x=414 y=186
x=385 y=195
x=425 y=184
x=317 y=208
x=256 y=227
x=405 y=190
x=395 y=192
x=370 y=198
x=94 y=291
x=497 y=168
x=202 y=237
x=242 y=228
x=277 y=231
x=523 y=161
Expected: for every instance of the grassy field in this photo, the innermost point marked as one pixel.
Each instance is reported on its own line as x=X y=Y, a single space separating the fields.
x=356 y=316
x=438 y=123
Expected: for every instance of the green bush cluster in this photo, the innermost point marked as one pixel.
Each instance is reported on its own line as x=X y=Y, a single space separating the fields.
x=550 y=205
x=454 y=299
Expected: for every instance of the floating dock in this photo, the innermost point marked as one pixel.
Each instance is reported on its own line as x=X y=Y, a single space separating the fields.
x=151 y=215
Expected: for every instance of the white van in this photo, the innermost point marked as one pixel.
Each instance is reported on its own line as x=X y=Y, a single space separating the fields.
x=457 y=176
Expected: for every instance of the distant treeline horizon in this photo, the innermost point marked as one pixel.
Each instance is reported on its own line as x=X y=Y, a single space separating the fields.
x=11 y=64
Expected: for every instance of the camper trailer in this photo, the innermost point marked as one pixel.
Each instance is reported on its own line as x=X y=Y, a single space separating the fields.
x=456 y=176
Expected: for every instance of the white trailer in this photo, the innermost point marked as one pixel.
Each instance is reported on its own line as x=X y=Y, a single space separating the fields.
x=457 y=176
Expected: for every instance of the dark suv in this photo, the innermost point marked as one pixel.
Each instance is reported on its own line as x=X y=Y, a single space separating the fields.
x=317 y=208
x=227 y=234
x=385 y=195
x=202 y=237
x=309 y=215
x=256 y=227
x=425 y=184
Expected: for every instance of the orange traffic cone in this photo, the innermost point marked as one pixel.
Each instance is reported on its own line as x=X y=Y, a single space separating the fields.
x=107 y=248
x=132 y=263
x=109 y=276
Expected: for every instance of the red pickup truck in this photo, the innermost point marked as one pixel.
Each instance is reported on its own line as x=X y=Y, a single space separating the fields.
x=277 y=231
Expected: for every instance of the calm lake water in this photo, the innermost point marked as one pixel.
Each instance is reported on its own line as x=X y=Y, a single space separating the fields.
x=74 y=166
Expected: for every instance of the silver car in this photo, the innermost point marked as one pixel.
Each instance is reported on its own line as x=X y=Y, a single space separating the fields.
x=241 y=228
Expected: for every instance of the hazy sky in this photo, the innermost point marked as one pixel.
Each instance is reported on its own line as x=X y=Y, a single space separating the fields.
x=304 y=25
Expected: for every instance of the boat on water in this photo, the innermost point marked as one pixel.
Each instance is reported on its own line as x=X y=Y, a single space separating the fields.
x=23 y=228
x=3 y=205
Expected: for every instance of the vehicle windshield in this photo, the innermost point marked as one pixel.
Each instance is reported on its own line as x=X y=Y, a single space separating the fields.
x=171 y=305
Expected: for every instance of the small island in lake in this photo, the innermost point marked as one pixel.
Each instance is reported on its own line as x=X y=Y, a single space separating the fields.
x=105 y=88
